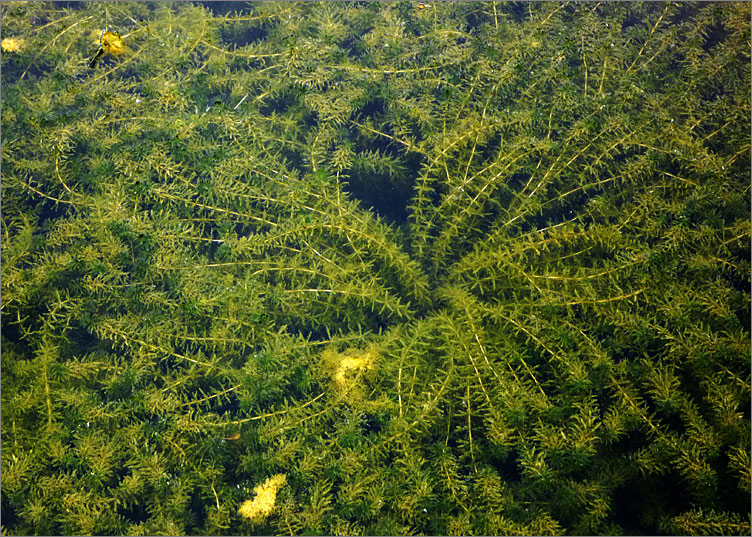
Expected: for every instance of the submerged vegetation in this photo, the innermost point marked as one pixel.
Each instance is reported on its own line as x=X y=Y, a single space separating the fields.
x=448 y=268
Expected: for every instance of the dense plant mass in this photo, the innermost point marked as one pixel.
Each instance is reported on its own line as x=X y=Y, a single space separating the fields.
x=376 y=268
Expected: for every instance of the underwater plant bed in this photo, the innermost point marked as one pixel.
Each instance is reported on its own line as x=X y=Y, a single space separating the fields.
x=375 y=268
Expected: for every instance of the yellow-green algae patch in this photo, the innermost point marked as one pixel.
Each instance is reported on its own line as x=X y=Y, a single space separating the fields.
x=262 y=505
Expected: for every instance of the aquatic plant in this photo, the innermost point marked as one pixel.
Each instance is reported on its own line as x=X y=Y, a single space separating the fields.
x=450 y=268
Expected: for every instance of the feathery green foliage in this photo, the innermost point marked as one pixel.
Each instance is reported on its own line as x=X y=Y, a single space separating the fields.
x=451 y=268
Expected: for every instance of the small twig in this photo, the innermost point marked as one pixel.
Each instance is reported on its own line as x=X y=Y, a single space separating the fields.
x=241 y=101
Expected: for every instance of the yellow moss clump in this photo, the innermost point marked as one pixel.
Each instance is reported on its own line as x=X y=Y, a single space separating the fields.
x=262 y=505
x=351 y=364
x=342 y=365
x=111 y=43
x=11 y=44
